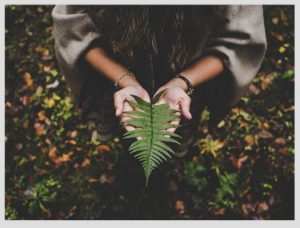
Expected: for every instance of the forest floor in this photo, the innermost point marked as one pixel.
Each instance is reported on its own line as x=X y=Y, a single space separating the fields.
x=244 y=169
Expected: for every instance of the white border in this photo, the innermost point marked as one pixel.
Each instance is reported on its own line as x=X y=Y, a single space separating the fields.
x=144 y=224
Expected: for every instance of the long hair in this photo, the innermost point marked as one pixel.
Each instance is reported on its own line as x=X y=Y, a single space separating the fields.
x=173 y=31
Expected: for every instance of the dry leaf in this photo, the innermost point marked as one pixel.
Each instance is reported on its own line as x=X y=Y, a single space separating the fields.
x=280 y=141
x=103 y=147
x=250 y=140
x=179 y=206
x=85 y=162
x=28 y=79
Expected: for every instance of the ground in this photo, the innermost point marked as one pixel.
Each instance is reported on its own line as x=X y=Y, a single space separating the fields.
x=243 y=169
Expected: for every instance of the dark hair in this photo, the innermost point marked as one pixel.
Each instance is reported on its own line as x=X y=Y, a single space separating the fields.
x=174 y=31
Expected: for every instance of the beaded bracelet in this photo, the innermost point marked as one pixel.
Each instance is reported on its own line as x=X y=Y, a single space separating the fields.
x=122 y=76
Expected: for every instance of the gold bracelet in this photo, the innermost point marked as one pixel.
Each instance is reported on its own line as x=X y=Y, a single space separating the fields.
x=122 y=76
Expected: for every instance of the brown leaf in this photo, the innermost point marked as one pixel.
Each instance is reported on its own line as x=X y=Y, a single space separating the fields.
x=85 y=162
x=284 y=150
x=103 y=147
x=219 y=211
x=71 y=142
x=107 y=179
x=180 y=207
x=53 y=152
x=28 y=79
x=172 y=186
x=41 y=115
x=264 y=135
x=254 y=90
x=241 y=160
x=261 y=207
x=275 y=20
x=39 y=129
x=280 y=141
x=73 y=134
x=25 y=100
x=290 y=109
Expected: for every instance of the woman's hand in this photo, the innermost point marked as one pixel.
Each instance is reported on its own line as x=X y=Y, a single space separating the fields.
x=121 y=104
x=176 y=98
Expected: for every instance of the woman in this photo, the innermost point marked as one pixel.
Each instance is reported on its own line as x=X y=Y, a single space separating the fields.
x=204 y=55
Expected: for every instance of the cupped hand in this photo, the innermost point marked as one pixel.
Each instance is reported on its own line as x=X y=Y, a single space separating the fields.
x=177 y=99
x=121 y=104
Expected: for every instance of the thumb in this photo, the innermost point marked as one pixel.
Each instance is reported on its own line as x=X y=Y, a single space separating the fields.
x=119 y=102
x=185 y=108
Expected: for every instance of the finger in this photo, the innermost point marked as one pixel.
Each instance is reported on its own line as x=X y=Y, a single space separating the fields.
x=175 y=122
x=185 y=108
x=119 y=103
x=127 y=107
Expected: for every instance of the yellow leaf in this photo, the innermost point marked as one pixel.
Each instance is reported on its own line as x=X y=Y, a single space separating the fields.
x=39 y=91
x=56 y=97
x=250 y=140
x=28 y=79
x=50 y=102
x=281 y=49
x=93 y=180
x=47 y=69
x=22 y=162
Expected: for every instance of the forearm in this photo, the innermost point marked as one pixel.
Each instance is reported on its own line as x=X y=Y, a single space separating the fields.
x=108 y=67
x=199 y=72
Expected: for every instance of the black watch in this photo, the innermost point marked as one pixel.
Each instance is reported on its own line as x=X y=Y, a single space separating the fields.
x=189 y=85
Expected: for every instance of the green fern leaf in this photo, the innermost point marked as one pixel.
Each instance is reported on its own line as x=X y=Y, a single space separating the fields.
x=151 y=122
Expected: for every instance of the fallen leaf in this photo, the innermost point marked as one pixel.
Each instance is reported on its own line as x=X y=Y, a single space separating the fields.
x=290 y=109
x=53 y=85
x=219 y=211
x=107 y=179
x=250 y=140
x=93 y=180
x=275 y=20
x=103 y=147
x=280 y=141
x=241 y=160
x=180 y=207
x=53 y=152
x=39 y=129
x=50 y=102
x=28 y=79
x=41 y=115
x=71 y=142
x=47 y=69
x=26 y=100
x=264 y=135
x=73 y=134
x=85 y=162
x=261 y=207
x=39 y=91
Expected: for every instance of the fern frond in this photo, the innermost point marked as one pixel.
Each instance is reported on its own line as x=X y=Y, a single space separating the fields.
x=151 y=122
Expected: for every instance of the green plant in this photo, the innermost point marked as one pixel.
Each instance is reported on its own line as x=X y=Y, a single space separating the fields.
x=151 y=122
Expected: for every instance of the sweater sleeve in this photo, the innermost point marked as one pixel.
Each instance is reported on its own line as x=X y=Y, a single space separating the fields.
x=241 y=44
x=74 y=32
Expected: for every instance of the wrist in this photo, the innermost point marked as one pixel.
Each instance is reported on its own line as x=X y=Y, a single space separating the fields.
x=176 y=82
x=128 y=81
